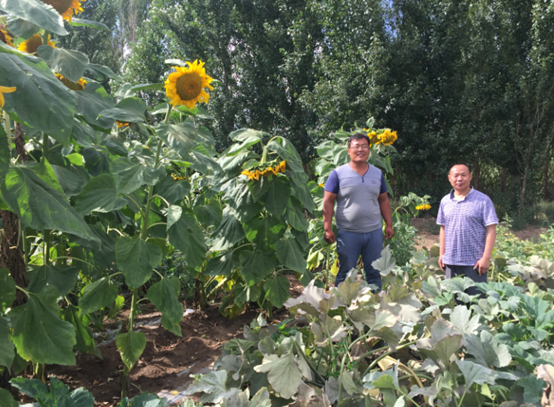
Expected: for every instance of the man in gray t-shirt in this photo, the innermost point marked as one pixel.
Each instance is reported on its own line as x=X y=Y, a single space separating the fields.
x=361 y=195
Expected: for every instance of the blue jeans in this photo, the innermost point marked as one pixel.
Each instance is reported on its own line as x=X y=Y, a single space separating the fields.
x=351 y=245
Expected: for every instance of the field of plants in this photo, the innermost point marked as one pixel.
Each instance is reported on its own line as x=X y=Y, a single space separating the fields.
x=113 y=206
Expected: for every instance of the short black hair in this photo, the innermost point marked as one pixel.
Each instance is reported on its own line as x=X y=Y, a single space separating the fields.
x=358 y=136
x=467 y=165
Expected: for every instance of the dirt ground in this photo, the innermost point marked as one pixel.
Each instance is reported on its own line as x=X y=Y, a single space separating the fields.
x=428 y=232
x=169 y=360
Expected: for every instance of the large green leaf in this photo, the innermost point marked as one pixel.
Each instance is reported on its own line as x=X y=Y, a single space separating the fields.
x=41 y=101
x=129 y=110
x=81 y=22
x=286 y=150
x=6 y=399
x=39 y=334
x=148 y=400
x=72 y=179
x=230 y=231
x=474 y=373
x=202 y=162
x=220 y=265
x=295 y=216
x=40 y=206
x=172 y=190
x=247 y=134
x=290 y=254
x=101 y=72
x=278 y=195
x=131 y=345
x=7 y=289
x=264 y=231
x=93 y=100
x=71 y=64
x=165 y=297
x=136 y=258
x=99 y=195
x=256 y=266
x=284 y=375
x=129 y=176
x=22 y=28
x=385 y=263
x=277 y=290
x=487 y=351
x=97 y=295
x=85 y=340
x=63 y=278
x=35 y=12
x=186 y=235
x=7 y=353
x=59 y=395
x=183 y=137
x=209 y=214
x=301 y=190
x=213 y=385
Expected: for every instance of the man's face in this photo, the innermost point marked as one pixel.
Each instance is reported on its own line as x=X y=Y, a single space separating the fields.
x=358 y=150
x=459 y=177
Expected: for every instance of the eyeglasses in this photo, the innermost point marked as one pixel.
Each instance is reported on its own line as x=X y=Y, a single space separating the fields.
x=360 y=148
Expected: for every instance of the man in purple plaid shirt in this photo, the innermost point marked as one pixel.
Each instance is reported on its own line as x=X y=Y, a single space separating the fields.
x=468 y=229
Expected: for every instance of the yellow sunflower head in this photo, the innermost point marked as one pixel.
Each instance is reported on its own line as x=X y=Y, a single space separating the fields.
x=373 y=139
x=119 y=124
x=5 y=89
x=30 y=46
x=66 y=8
x=79 y=85
x=388 y=137
x=4 y=36
x=186 y=85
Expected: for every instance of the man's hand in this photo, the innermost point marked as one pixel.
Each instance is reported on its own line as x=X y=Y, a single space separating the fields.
x=389 y=232
x=482 y=265
x=441 y=264
x=330 y=237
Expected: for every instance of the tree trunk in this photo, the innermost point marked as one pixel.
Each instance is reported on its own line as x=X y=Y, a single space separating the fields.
x=523 y=186
x=476 y=173
x=12 y=256
x=503 y=180
x=545 y=182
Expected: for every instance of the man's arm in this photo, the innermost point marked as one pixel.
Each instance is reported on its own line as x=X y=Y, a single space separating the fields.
x=442 y=241
x=328 y=212
x=384 y=205
x=484 y=262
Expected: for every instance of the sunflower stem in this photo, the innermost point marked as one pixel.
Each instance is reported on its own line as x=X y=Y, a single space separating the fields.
x=8 y=129
x=264 y=155
x=169 y=109
x=45 y=37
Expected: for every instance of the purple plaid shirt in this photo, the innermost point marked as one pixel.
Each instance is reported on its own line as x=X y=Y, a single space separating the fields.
x=464 y=223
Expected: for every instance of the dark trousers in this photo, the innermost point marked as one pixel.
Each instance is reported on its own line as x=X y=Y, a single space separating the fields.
x=351 y=245
x=470 y=272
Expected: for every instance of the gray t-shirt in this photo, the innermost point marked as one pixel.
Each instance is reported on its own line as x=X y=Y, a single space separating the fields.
x=358 y=207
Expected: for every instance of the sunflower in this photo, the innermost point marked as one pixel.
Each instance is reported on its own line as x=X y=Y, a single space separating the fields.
x=79 y=85
x=4 y=36
x=387 y=137
x=424 y=207
x=66 y=8
x=119 y=124
x=30 y=46
x=186 y=85
x=373 y=139
x=4 y=89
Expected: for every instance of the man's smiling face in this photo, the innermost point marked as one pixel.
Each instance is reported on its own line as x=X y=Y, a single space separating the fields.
x=358 y=150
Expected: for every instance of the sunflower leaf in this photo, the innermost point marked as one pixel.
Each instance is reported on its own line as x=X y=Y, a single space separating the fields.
x=36 y=12
x=42 y=103
x=71 y=64
x=81 y=22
